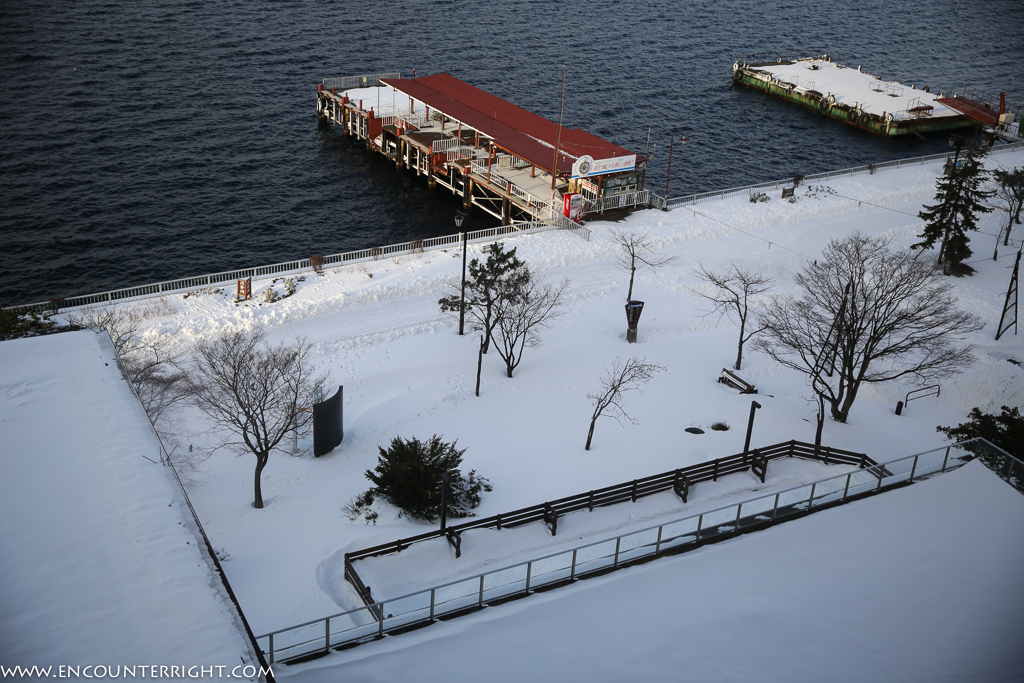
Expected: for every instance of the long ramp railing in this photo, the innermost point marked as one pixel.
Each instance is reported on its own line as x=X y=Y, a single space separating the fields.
x=392 y=616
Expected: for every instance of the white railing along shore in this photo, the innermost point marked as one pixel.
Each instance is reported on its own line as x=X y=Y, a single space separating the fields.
x=228 y=277
x=294 y=267
x=659 y=202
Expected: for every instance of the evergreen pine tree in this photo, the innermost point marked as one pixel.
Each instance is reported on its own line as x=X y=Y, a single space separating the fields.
x=409 y=476
x=501 y=276
x=959 y=198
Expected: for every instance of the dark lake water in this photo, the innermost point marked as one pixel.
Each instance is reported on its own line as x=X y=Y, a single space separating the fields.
x=146 y=140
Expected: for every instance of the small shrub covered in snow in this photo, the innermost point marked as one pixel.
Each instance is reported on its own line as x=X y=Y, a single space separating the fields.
x=720 y=426
x=409 y=476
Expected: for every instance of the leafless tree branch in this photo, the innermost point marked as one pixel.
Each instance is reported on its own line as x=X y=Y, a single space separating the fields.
x=149 y=358
x=866 y=314
x=520 y=319
x=732 y=294
x=637 y=249
x=619 y=378
x=257 y=391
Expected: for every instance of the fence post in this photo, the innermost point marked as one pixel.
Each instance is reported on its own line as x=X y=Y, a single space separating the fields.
x=776 y=508
x=700 y=521
x=914 y=468
x=572 y=573
x=380 y=622
x=480 y=602
x=271 y=646
x=327 y=633
x=847 y=489
x=432 y=603
x=657 y=546
x=618 y=542
x=810 y=501
x=529 y=569
x=945 y=459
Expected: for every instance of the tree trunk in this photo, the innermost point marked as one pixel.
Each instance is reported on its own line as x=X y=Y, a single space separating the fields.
x=632 y=274
x=480 y=362
x=739 y=348
x=261 y=462
x=590 y=434
x=821 y=423
x=840 y=414
x=508 y=370
x=488 y=326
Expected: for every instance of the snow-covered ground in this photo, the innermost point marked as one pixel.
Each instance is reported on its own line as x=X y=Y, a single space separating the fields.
x=99 y=561
x=377 y=329
x=919 y=584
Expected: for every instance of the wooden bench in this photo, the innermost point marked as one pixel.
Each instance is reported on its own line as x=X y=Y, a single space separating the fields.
x=731 y=379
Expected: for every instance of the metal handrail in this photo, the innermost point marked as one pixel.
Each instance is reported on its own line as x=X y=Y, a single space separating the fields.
x=201 y=282
x=827 y=175
x=721 y=523
x=367 y=81
x=294 y=267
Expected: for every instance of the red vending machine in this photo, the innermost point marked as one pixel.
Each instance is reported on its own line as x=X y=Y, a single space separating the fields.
x=573 y=207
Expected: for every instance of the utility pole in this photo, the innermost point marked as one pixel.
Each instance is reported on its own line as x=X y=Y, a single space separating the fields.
x=672 y=138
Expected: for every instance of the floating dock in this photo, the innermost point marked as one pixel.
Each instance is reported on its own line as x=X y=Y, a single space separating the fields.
x=507 y=161
x=867 y=101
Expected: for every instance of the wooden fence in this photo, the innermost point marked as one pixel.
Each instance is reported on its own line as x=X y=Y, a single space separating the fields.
x=678 y=535
x=678 y=480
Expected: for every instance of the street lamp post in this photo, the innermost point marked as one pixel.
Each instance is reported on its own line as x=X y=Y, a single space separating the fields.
x=444 y=500
x=671 y=140
x=957 y=142
x=459 y=217
x=754 y=405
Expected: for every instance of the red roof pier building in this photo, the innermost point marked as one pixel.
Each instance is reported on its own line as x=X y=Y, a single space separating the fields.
x=491 y=153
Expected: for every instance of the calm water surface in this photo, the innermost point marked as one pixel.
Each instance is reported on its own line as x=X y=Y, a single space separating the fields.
x=145 y=141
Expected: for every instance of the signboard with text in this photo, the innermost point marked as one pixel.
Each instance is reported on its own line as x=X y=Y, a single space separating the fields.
x=587 y=166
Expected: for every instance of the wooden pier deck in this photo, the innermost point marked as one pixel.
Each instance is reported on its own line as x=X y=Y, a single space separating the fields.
x=491 y=153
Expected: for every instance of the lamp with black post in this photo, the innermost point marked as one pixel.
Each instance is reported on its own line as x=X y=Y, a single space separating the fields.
x=957 y=142
x=668 y=176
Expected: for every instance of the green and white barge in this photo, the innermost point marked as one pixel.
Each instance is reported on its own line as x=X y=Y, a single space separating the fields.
x=851 y=95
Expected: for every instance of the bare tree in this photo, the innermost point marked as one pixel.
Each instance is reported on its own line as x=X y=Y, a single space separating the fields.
x=618 y=379
x=731 y=294
x=257 y=391
x=866 y=314
x=1009 y=198
x=149 y=359
x=637 y=249
x=519 y=319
